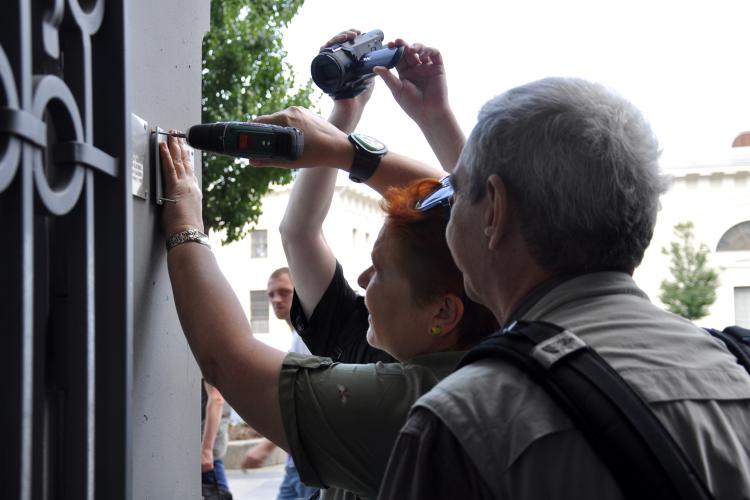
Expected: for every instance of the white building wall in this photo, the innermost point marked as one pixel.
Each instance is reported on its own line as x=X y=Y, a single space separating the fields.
x=714 y=197
x=351 y=228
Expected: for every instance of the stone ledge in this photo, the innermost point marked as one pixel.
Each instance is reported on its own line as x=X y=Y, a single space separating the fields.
x=236 y=451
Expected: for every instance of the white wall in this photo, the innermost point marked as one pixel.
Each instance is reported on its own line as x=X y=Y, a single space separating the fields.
x=164 y=82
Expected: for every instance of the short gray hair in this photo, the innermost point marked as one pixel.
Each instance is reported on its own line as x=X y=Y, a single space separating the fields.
x=580 y=164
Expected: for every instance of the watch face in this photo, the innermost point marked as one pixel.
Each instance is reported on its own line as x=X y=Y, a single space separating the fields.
x=369 y=143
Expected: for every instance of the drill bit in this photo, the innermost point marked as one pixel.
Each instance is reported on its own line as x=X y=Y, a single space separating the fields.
x=177 y=134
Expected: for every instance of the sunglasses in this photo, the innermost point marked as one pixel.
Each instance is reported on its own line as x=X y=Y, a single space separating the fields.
x=441 y=197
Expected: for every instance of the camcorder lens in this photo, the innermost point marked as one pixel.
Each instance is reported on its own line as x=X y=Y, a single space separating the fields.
x=342 y=70
x=326 y=72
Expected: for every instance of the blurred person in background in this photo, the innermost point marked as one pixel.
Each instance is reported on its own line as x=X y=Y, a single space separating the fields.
x=280 y=291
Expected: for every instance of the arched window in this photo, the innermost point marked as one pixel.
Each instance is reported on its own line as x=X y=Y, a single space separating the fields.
x=736 y=239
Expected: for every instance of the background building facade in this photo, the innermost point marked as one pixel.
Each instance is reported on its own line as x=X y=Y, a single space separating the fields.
x=715 y=196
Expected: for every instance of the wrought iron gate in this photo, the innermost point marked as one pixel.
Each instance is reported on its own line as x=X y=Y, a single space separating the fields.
x=65 y=285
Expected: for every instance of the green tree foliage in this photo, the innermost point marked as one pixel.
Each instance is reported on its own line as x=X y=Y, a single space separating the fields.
x=692 y=288
x=244 y=75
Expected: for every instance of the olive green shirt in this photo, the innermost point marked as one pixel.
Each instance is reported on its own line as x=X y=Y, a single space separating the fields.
x=341 y=420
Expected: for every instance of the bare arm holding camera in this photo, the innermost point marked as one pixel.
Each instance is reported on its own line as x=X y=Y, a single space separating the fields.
x=422 y=92
x=343 y=69
x=344 y=65
x=311 y=261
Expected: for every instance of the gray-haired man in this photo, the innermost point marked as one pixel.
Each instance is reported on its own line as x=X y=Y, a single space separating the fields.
x=556 y=195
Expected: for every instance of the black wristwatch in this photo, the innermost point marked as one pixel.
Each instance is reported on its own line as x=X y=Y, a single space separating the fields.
x=367 y=154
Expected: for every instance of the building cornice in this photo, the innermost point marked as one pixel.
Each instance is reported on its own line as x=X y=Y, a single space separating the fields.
x=728 y=168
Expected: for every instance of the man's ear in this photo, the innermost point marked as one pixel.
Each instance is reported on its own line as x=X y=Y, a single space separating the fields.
x=497 y=216
x=448 y=314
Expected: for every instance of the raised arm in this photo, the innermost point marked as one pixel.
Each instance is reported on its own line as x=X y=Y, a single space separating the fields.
x=327 y=146
x=422 y=92
x=310 y=259
x=244 y=369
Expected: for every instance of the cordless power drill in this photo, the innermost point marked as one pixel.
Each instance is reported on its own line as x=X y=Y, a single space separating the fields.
x=246 y=140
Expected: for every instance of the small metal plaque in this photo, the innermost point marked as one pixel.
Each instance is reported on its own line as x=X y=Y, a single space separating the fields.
x=139 y=135
x=159 y=135
x=157 y=178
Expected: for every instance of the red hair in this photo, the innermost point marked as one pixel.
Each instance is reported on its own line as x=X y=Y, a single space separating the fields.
x=424 y=256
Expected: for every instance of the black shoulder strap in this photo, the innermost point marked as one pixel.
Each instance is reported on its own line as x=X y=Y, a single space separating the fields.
x=621 y=428
x=737 y=340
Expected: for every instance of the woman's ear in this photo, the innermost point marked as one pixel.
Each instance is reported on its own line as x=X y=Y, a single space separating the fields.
x=448 y=314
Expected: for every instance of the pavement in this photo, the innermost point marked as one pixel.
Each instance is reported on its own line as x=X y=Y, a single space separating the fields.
x=255 y=484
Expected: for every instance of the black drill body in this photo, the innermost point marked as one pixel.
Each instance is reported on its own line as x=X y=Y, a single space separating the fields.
x=247 y=140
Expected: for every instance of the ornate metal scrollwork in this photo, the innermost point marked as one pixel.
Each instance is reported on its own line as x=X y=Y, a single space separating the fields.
x=50 y=26
x=89 y=18
x=9 y=124
x=18 y=125
x=65 y=206
x=46 y=90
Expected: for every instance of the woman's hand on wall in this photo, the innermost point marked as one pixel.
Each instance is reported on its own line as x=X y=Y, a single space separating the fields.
x=183 y=198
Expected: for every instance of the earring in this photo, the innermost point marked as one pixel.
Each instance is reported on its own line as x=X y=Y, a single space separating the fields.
x=435 y=331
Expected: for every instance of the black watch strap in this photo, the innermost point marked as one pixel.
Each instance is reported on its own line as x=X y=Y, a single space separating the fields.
x=365 y=161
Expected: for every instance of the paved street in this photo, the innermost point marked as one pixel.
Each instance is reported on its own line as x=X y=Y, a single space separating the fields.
x=256 y=484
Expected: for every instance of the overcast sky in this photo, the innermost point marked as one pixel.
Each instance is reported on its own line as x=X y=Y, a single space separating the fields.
x=686 y=64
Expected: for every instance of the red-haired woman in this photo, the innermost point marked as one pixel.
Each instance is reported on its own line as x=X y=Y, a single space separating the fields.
x=339 y=421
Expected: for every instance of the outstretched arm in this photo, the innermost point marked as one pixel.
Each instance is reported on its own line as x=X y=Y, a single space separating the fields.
x=310 y=259
x=244 y=369
x=422 y=92
x=327 y=146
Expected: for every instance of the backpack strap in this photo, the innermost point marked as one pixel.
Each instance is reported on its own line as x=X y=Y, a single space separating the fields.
x=640 y=453
x=737 y=340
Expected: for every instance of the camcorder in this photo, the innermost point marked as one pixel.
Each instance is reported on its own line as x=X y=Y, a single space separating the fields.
x=342 y=70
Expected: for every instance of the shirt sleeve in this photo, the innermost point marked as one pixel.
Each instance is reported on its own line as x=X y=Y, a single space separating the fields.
x=428 y=462
x=338 y=325
x=341 y=420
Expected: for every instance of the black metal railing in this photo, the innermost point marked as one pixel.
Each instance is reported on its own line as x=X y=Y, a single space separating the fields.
x=65 y=259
